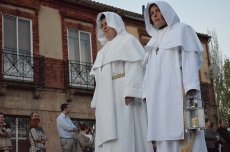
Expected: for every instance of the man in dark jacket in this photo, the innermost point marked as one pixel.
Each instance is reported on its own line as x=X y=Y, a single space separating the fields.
x=210 y=137
x=224 y=136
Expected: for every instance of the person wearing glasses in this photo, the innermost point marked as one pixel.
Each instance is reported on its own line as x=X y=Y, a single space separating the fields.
x=121 y=121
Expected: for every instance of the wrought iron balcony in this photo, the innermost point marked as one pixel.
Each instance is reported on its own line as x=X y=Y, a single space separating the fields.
x=21 y=68
x=77 y=75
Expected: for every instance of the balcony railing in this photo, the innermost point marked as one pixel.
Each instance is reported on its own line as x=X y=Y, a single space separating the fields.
x=22 y=68
x=77 y=75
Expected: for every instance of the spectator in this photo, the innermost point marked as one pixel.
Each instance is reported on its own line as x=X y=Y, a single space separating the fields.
x=5 y=134
x=66 y=129
x=85 y=140
x=224 y=136
x=210 y=137
x=36 y=134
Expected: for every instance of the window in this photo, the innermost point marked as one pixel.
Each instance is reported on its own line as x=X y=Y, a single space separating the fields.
x=19 y=128
x=80 y=58
x=17 y=48
x=79 y=46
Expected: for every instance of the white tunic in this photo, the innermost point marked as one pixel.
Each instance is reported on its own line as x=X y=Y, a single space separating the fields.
x=164 y=90
x=120 y=127
x=119 y=74
x=170 y=74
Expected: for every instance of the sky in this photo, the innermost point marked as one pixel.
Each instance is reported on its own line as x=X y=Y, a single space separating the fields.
x=202 y=15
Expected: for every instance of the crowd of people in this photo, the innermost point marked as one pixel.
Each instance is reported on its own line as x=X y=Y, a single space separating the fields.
x=73 y=138
x=217 y=139
x=139 y=94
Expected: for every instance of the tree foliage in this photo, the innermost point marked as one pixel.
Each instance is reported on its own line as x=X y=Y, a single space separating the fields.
x=222 y=82
x=224 y=105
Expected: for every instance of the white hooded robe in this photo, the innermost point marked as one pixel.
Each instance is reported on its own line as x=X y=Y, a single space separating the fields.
x=119 y=74
x=170 y=73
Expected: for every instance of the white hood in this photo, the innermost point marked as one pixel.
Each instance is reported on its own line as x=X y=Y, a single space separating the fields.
x=123 y=47
x=167 y=12
x=178 y=34
x=113 y=20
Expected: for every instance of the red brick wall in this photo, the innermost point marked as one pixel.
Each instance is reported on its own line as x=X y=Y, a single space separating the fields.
x=54 y=69
x=54 y=73
x=30 y=4
x=32 y=16
x=78 y=13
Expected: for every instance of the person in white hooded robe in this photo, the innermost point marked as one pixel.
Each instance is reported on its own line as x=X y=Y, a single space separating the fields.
x=173 y=59
x=121 y=117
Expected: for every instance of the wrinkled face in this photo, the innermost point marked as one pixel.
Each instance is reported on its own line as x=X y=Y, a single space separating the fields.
x=109 y=32
x=156 y=17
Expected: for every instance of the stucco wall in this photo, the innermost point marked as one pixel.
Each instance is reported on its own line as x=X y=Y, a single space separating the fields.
x=133 y=31
x=50 y=36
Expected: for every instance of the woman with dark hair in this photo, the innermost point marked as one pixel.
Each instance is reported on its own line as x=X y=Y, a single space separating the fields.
x=85 y=140
x=173 y=59
x=36 y=135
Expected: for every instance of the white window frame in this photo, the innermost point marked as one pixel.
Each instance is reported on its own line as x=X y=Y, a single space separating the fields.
x=18 y=130
x=80 y=54
x=90 y=43
x=17 y=49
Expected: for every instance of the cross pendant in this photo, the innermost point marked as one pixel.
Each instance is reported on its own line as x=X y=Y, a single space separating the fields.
x=157 y=49
x=101 y=67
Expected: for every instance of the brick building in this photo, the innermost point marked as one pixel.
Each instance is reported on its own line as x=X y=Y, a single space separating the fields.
x=47 y=48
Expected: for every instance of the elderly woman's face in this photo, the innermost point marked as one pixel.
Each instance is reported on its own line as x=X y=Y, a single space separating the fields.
x=156 y=17
x=109 y=32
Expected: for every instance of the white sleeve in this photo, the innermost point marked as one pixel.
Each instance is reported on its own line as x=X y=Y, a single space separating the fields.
x=93 y=102
x=133 y=79
x=144 y=83
x=190 y=71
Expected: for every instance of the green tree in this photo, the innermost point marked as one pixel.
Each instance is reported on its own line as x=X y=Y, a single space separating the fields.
x=224 y=102
x=222 y=81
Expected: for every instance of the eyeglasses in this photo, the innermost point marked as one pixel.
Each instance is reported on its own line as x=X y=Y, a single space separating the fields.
x=105 y=26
